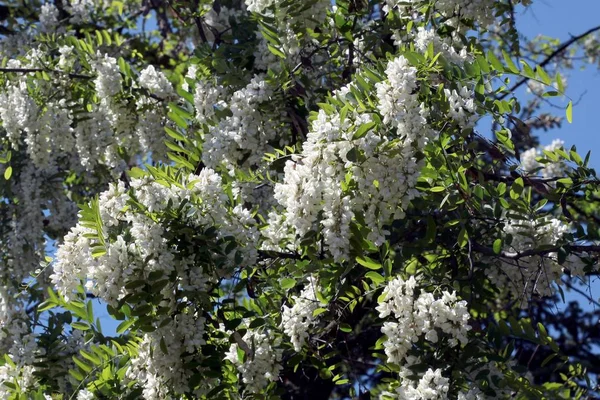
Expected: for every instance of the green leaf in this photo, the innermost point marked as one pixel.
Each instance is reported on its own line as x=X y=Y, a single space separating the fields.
x=82 y=365
x=543 y=75
x=517 y=188
x=374 y=277
x=509 y=62
x=345 y=327
x=174 y=134
x=125 y=325
x=496 y=64
x=368 y=262
x=287 y=283
x=276 y=51
x=46 y=305
x=363 y=129
x=319 y=311
x=497 y=246
x=82 y=326
x=8 y=172
x=569 y=112
x=463 y=237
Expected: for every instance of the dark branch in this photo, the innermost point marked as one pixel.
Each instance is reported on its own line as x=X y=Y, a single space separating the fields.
x=551 y=56
x=30 y=70
x=536 y=252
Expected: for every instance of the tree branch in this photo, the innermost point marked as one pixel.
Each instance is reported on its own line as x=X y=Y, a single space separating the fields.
x=535 y=252
x=30 y=70
x=551 y=56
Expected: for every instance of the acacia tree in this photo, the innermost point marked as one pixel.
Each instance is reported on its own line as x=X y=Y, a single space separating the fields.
x=283 y=199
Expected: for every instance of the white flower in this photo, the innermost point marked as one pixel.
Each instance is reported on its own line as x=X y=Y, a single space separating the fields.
x=80 y=10
x=261 y=364
x=85 y=395
x=298 y=319
x=414 y=316
x=48 y=17
x=108 y=80
x=156 y=82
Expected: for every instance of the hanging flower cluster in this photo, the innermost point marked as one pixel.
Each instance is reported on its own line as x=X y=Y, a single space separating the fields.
x=522 y=277
x=298 y=319
x=419 y=315
x=258 y=362
x=132 y=229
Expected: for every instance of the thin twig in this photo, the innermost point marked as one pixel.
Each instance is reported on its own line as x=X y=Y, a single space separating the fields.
x=550 y=57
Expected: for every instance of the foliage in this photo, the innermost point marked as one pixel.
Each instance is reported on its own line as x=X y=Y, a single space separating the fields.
x=284 y=199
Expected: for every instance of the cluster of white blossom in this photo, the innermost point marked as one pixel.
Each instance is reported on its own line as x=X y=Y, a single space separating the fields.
x=159 y=368
x=261 y=364
x=219 y=21
x=426 y=36
x=323 y=182
x=85 y=394
x=548 y=170
x=244 y=137
x=431 y=386
x=139 y=246
x=522 y=277
x=481 y=11
x=312 y=182
x=18 y=343
x=399 y=104
x=156 y=82
x=81 y=10
x=48 y=17
x=462 y=106
x=207 y=96
x=21 y=377
x=591 y=48
x=108 y=80
x=418 y=315
x=58 y=133
x=298 y=319
x=17 y=111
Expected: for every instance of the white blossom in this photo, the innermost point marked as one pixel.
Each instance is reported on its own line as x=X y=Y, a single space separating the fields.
x=298 y=319
x=108 y=81
x=416 y=315
x=156 y=82
x=261 y=365
x=48 y=17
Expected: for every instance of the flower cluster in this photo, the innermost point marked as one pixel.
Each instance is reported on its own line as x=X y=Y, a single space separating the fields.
x=135 y=243
x=52 y=133
x=325 y=181
x=244 y=137
x=156 y=82
x=260 y=363
x=81 y=10
x=446 y=46
x=207 y=96
x=536 y=274
x=158 y=366
x=462 y=106
x=420 y=315
x=481 y=11
x=108 y=79
x=296 y=320
x=548 y=170
x=431 y=386
x=18 y=343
